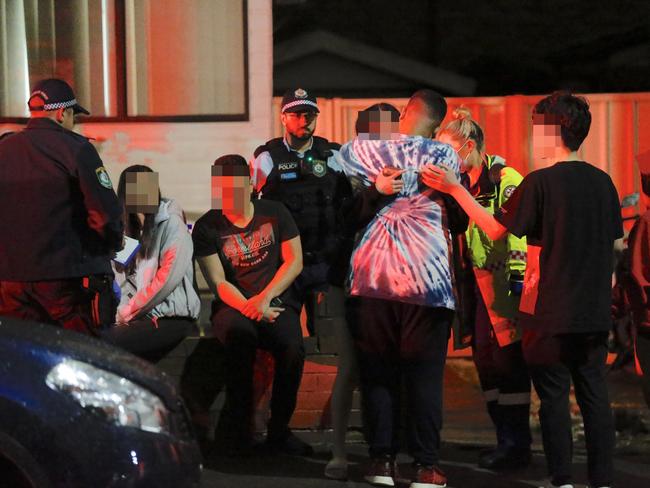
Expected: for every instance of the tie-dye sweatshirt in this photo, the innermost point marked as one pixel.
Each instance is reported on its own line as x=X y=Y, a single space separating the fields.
x=403 y=254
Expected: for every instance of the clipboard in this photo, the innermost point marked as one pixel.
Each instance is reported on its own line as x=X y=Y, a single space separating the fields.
x=131 y=247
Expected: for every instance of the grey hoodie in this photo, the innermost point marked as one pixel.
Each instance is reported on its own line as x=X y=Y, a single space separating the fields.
x=162 y=285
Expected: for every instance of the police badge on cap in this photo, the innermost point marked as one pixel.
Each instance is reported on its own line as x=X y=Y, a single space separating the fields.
x=299 y=100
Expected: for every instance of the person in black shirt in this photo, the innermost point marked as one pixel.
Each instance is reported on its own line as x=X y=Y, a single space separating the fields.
x=60 y=220
x=250 y=253
x=569 y=212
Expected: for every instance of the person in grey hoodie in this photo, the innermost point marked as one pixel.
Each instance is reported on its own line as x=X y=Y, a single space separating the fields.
x=158 y=302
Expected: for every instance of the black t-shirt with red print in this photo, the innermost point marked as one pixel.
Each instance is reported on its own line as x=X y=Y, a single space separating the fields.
x=250 y=255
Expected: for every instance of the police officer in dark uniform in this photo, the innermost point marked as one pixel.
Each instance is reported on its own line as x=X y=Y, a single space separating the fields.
x=60 y=220
x=301 y=171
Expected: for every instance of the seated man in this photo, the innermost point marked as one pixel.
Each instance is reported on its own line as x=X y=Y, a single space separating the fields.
x=250 y=253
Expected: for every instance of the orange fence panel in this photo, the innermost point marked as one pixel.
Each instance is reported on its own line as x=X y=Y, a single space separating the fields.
x=620 y=128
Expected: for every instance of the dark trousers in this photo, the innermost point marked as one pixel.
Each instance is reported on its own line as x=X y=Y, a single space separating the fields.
x=241 y=337
x=149 y=339
x=395 y=340
x=64 y=303
x=554 y=361
x=643 y=355
x=505 y=382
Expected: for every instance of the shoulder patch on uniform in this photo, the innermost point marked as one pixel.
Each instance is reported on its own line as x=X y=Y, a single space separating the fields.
x=509 y=190
x=104 y=179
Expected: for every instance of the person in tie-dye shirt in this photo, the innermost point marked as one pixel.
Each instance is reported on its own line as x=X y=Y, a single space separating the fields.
x=401 y=292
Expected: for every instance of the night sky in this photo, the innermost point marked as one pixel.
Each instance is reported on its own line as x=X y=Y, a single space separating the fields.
x=516 y=46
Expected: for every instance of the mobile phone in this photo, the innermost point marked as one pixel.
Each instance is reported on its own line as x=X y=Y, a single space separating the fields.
x=276 y=302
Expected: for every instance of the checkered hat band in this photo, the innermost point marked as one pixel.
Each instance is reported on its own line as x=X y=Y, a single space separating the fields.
x=58 y=105
x=298 y=102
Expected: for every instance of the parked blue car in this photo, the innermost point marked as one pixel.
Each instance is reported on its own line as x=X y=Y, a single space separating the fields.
x=75 y=412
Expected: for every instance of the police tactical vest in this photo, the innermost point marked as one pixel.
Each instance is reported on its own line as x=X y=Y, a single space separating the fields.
x=307 y=187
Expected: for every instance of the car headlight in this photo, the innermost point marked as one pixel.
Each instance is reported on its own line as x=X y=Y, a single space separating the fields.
x=119 y=400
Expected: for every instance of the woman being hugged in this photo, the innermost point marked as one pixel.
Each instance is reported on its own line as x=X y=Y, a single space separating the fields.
x=158 y=303
x=499 y=269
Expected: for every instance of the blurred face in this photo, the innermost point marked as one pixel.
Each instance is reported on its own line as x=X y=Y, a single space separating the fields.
x=377 y=125
x=230 y=194
x=546 y=139
x=300 y=125
x=464 y=149
x=142 y=193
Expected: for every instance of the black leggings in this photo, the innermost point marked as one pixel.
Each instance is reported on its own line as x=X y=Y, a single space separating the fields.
x=149 y=340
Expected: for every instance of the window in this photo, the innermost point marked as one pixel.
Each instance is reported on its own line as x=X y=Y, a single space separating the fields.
x=148 y=60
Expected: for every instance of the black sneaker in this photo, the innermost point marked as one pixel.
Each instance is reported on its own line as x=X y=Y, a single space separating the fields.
x=382 y=471
x=290 y=444
x=245 y=448
x=503 y=458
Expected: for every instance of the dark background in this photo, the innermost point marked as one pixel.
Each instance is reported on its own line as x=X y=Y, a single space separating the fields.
x=509 y=47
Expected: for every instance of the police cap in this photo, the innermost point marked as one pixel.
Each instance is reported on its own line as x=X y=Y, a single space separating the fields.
x=298 y=100
x=53 y=94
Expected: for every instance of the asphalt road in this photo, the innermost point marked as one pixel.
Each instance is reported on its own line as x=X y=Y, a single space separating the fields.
x=459 y=463
x=467 y=430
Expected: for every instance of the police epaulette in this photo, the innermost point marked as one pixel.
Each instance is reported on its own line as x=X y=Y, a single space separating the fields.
x=324 y=147
x=80 y=136
x=267 y=146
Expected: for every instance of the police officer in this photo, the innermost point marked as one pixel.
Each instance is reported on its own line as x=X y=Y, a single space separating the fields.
x=499 y=268
x=60 y=221
x=301 y=171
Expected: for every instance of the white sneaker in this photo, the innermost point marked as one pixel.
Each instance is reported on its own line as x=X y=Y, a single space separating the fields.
x=382 y=472
x=337 y=469
x=551 y=485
